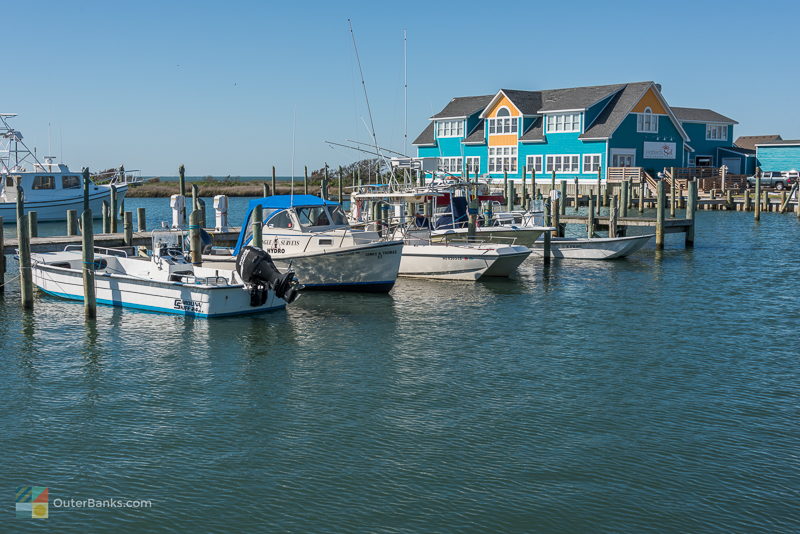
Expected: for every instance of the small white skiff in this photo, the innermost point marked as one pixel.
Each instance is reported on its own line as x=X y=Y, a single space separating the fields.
x=596 y=248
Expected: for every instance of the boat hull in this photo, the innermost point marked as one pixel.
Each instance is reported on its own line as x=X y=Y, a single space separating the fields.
x=470 y=263
x=370 y=268
x=592 y=249
x=151 y=295
x=56 y=210
x=500 y=234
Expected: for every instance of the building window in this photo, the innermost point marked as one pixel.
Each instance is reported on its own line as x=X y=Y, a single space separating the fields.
x=533 y=163
x=563 y=163
x=716 y=132
x=564 y=122
x=646 y=122
x=450 y=128
x=450 y=165
x=70 y=182
x=503 y=123
x=591 y=163
x=474 y=164
x=502 y=159
x=44 y=182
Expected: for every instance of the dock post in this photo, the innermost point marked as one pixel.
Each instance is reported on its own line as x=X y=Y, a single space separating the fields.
x=258 y=217
x=194 y=198
x=274 y=190
x=612 y=218
x=2 y=259
x=341 y=176
x=660 y=201
x=729 y=200
x=24 y=243
x=672 y=192
x=86 y=180
x=524 y=189
x=641 y=195
x=182 y=192
x=553 y=180
x=113 y=209
x=127 y=228
x=194 y=238
x=533 y=186
x=562 y=201
x=141 y=220
x=505 y=184
x=590 y=217
x=746 y=206
x=783 y=201
x=201 y=207
x=264 y=189
x=323 y=188
x=87 y=249
x=106 y=221
x=599 y=186
x=473 y=219
x=72 y=222
x=510 y=194
x=691 y=207
x=577 y=195
x=766 y=201
x=557 y=216
x=547 y=222
x=305 y=179
x=623 y=201
x=33 y=224
x=757 y=204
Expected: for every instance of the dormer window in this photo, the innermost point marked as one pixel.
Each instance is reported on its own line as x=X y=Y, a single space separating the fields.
x=450 y=128
x=646 y=122
x=716 y=132
x=564 y=122
x=503 y=123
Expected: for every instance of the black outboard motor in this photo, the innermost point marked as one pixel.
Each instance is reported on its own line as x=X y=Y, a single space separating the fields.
x=258 y=271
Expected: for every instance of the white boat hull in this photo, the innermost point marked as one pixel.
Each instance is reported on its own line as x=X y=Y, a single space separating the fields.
x=598 y=248
x=507 y=235
x=56 y=210
x=371 y=267
x=472 y=262
x=151 y=295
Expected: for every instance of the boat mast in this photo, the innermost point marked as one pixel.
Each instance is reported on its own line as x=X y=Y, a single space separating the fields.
x=11 y=155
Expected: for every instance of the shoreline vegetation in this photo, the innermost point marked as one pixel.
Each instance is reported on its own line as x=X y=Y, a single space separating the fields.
x=234 y=187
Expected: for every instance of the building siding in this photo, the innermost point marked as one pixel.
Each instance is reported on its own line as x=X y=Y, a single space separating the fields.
x=697 y=133
x=778 y=158
x=626 y=137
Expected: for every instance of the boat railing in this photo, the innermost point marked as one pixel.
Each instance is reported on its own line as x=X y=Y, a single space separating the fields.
x=496 y=239
x=101 y=250
x=200 y=280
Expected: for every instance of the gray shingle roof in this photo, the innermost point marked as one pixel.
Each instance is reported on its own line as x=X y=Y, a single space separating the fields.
x=464 y=106
x=426 y=137
x=700 y=115
x=750 y=141
x=779 y=142
x=528 y=102
x=738 y=150
x=476 y=137
x=577 y=97
x=535 y=132
x=616 y=110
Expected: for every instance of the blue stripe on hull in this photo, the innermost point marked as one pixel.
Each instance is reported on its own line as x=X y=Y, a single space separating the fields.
x=155 y=309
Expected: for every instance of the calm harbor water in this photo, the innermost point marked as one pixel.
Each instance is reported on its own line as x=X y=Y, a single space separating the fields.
x=654 y=394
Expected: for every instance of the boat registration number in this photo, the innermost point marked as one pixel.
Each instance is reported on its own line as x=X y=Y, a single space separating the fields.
x=188 y=305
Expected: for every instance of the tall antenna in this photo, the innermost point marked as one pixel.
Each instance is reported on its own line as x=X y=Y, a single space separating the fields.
x=294 y=129
x=61 y=144
x=405 y=91
x=49 y=147
x=364 y=86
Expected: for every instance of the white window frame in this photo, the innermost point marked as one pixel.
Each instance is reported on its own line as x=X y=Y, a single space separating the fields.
x=474 y=164
x=622 y=152
x=564 y=122
x=537 y=164
x=720 y=130
x=451 y=164
x=450 y=128
x=503 y=159
x=502 y=125
x=563 y=163
x=647 y=121
x=593 y=165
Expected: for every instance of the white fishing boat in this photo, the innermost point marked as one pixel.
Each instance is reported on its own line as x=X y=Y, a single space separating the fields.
x=423 y=258
x=313 y=237
x=595 y=248
x=50 y=188
x=166 y=282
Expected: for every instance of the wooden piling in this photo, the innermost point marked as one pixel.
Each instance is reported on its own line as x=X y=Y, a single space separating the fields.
x=472 y=219
x=113 y=209
x=510 y=194
x=728 y=199
x=127 y=228
x=672 y=192
x=87 y=252
x=2 y=259
x=258 y=217
x=182 y=187
x=505 y=184
x=523 y=189
x=194 y=238
x=86 y=181
x=341 y=192
x=533 y=184
x=641 y=195
x=323 y=191
x=33 y=224
x=546 y=237
x=24 y=245
x=562 y=201
x=106 y=221
x=590 y=217
x=757 y=204
x=557 y=217
x=264 y=190
x=72 y=222
x=623 y=201
x=660 y=201
x=141 y=221
x=195 y=195
x=305 y=179
x=747 y=200
x=691 y=207
x=553 y=180
x=599 y=186
x=577 y=195
x=274 y=189
x=612 y=218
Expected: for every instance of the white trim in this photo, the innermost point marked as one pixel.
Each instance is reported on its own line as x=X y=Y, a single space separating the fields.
x=493 y=101
x=447 y=118
x=450 y=164
x=594 y=138
x=640 y=121
x=512 y=159
x=440 y=122
x=717 y=125
x=540 y=170
x=558 y=111
x=670 y=114
x=567 y=115
x=622 y=152
x=777 y=144
x=548 y=168
x=729 y=123
x=583 y=163
x=468 y=158
x=513 y=124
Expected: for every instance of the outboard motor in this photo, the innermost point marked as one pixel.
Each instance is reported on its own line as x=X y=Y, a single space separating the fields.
x=258 y=272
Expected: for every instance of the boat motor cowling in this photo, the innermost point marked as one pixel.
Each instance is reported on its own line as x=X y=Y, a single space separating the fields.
x=258 y=271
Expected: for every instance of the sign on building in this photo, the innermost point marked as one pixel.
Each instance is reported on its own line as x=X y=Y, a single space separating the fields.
x=658 y=150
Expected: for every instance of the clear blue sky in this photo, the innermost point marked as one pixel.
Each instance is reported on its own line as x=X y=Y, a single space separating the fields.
x=216 y=85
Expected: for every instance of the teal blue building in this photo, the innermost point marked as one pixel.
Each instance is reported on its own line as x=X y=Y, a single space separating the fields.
x=779 y=155
x=574 y=132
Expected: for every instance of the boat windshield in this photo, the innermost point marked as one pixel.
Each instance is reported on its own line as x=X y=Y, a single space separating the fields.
x=338 y=218
x=313 y=216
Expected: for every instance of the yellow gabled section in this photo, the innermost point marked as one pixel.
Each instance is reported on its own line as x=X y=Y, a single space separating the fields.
x=650 y=100
x=501 y=102
x=503 y=140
